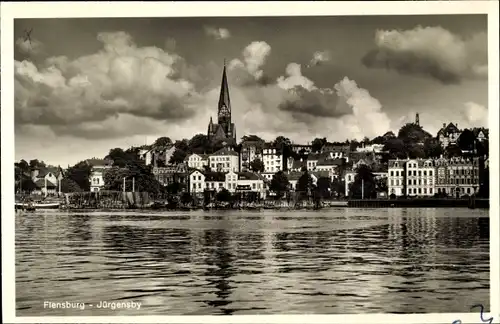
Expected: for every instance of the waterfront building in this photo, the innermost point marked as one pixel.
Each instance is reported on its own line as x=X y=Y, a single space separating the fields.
x=396 y=177
x=448 y=134
x=224 y=160
x=197 y=161
x=215 y=181
x=224 y=130
x=293 y=178
x=457 y=176
x=196 y=182
x=173 y=174
x=378 y=170
x=153 y=155
x=47 y=180
x=419 y=177
x=248 y=182
x=329 y=163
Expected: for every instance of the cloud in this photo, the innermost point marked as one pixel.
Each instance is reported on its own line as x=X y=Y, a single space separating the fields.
x=475 y=114
x=319 y=57
x=217 y=33
x=430 y=51
x=250 y=69
x=123 y=93
x=29 y=46
x=119 y=80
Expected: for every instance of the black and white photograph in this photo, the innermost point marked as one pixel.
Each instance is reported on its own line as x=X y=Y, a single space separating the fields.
x=201 y=164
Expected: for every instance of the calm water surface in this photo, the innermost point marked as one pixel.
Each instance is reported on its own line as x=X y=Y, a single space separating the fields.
x=241 y=262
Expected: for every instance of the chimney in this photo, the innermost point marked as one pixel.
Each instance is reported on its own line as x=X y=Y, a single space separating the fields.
x=444 y=125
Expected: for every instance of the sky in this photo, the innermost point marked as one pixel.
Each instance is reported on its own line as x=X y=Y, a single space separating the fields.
x=86 y=85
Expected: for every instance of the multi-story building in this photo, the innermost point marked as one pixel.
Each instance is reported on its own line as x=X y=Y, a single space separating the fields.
x=250 y=151
x=172 y=174
x=97 y=171
x=419 y=177
x=196 y=182
x=337 y=151
x=197 y=161
x=396 y=177
x=302 y=149
x=378 y=171
x=47 y=180
x=272 y=159
x=224 y=160
x=215 y=181
x=152 y=155
x=448 y=134
x=457 y=176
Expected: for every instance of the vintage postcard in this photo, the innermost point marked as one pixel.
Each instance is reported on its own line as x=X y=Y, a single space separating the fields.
x=278 y=162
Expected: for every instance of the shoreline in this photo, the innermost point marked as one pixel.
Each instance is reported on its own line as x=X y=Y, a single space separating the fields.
x=477 y=203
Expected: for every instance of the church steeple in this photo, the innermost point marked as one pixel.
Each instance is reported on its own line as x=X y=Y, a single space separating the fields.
x=224 y=92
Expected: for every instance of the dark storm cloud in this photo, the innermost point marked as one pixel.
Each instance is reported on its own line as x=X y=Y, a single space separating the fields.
x=430 y=51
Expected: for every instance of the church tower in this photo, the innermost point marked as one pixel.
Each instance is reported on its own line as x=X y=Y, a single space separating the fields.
x=224 y=107
x=417 y=120
x=224 y=129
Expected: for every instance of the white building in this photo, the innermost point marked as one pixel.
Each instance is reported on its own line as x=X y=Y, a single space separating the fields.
x=249 y=181
x=196 y=182
x=47 y=180
x=312 y=161
x=272 y=159
x=224 y=160
x=396 y=177
x=420 y=177
x=98 y=169
x=197 y=161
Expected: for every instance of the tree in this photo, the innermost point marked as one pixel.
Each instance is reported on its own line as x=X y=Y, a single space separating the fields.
x=223 y=196
x=364 y=185
x=69 y=185
x=283 y=145
x=186 y=198
x=381 y=184
x=396 y=148
x=453 y=150
x=199 y=144
x=305 y=184
x=353 y=145
x=482 y=148
x=163 y=142
x=257 y=165
x=36 y=164
x=381 y=140
x=178 y=156
x=318 y=143
x=433 y=148
x=338 y=186
x=80 y=174
x=413 y=133
x=279 y=183
x=324 y=187
x=466 y=140
x=23 y=166
x=415 y=151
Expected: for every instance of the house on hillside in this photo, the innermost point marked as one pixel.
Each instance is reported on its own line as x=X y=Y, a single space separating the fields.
x=449 y=134
x=481 y=134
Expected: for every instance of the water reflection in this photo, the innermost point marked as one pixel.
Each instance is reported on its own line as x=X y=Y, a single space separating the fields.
x=337 y=261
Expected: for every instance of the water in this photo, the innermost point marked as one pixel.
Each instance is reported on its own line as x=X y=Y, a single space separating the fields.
x=244 y=262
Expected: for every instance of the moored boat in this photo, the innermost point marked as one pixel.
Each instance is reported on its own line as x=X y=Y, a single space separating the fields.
x=31 y=206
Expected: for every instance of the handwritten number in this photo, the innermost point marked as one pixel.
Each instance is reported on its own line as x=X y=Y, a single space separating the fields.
x=489 y=320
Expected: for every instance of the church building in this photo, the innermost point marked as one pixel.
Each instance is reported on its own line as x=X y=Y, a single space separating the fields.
x=224 y=131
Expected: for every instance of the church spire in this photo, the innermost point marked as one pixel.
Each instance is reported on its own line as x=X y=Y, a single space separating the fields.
x=224 y=91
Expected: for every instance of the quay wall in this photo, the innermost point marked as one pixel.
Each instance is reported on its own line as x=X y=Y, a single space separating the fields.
x=421 y=202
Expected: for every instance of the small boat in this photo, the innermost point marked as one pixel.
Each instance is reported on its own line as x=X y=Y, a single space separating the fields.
x=33 y=206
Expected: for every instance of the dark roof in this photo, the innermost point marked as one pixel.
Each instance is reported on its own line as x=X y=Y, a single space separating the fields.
x=294 y=176
x=335 y=148
x=40 y=183
x=42 y=172
x=297 y=164
x=449 y=129
x=321 y=174
x=99 y=162
x=313 y=156
x=225 y=151
x=215 y=176
x=328 y=161
x=248 y=176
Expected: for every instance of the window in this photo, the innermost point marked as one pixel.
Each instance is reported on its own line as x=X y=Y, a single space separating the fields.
x=425 y=173
x=430 y=173
x=430 y=191
x=419 y=191
x=199 y=185
x=468 y=190
x=392 y=182
x=392 y=173
x=220 y=184
x=425 y=191
x=419 y=173
x=253 y=185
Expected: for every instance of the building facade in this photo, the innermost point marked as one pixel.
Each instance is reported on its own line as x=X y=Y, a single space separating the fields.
x=224 y=160
x=457 y=177
x=448 y=135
